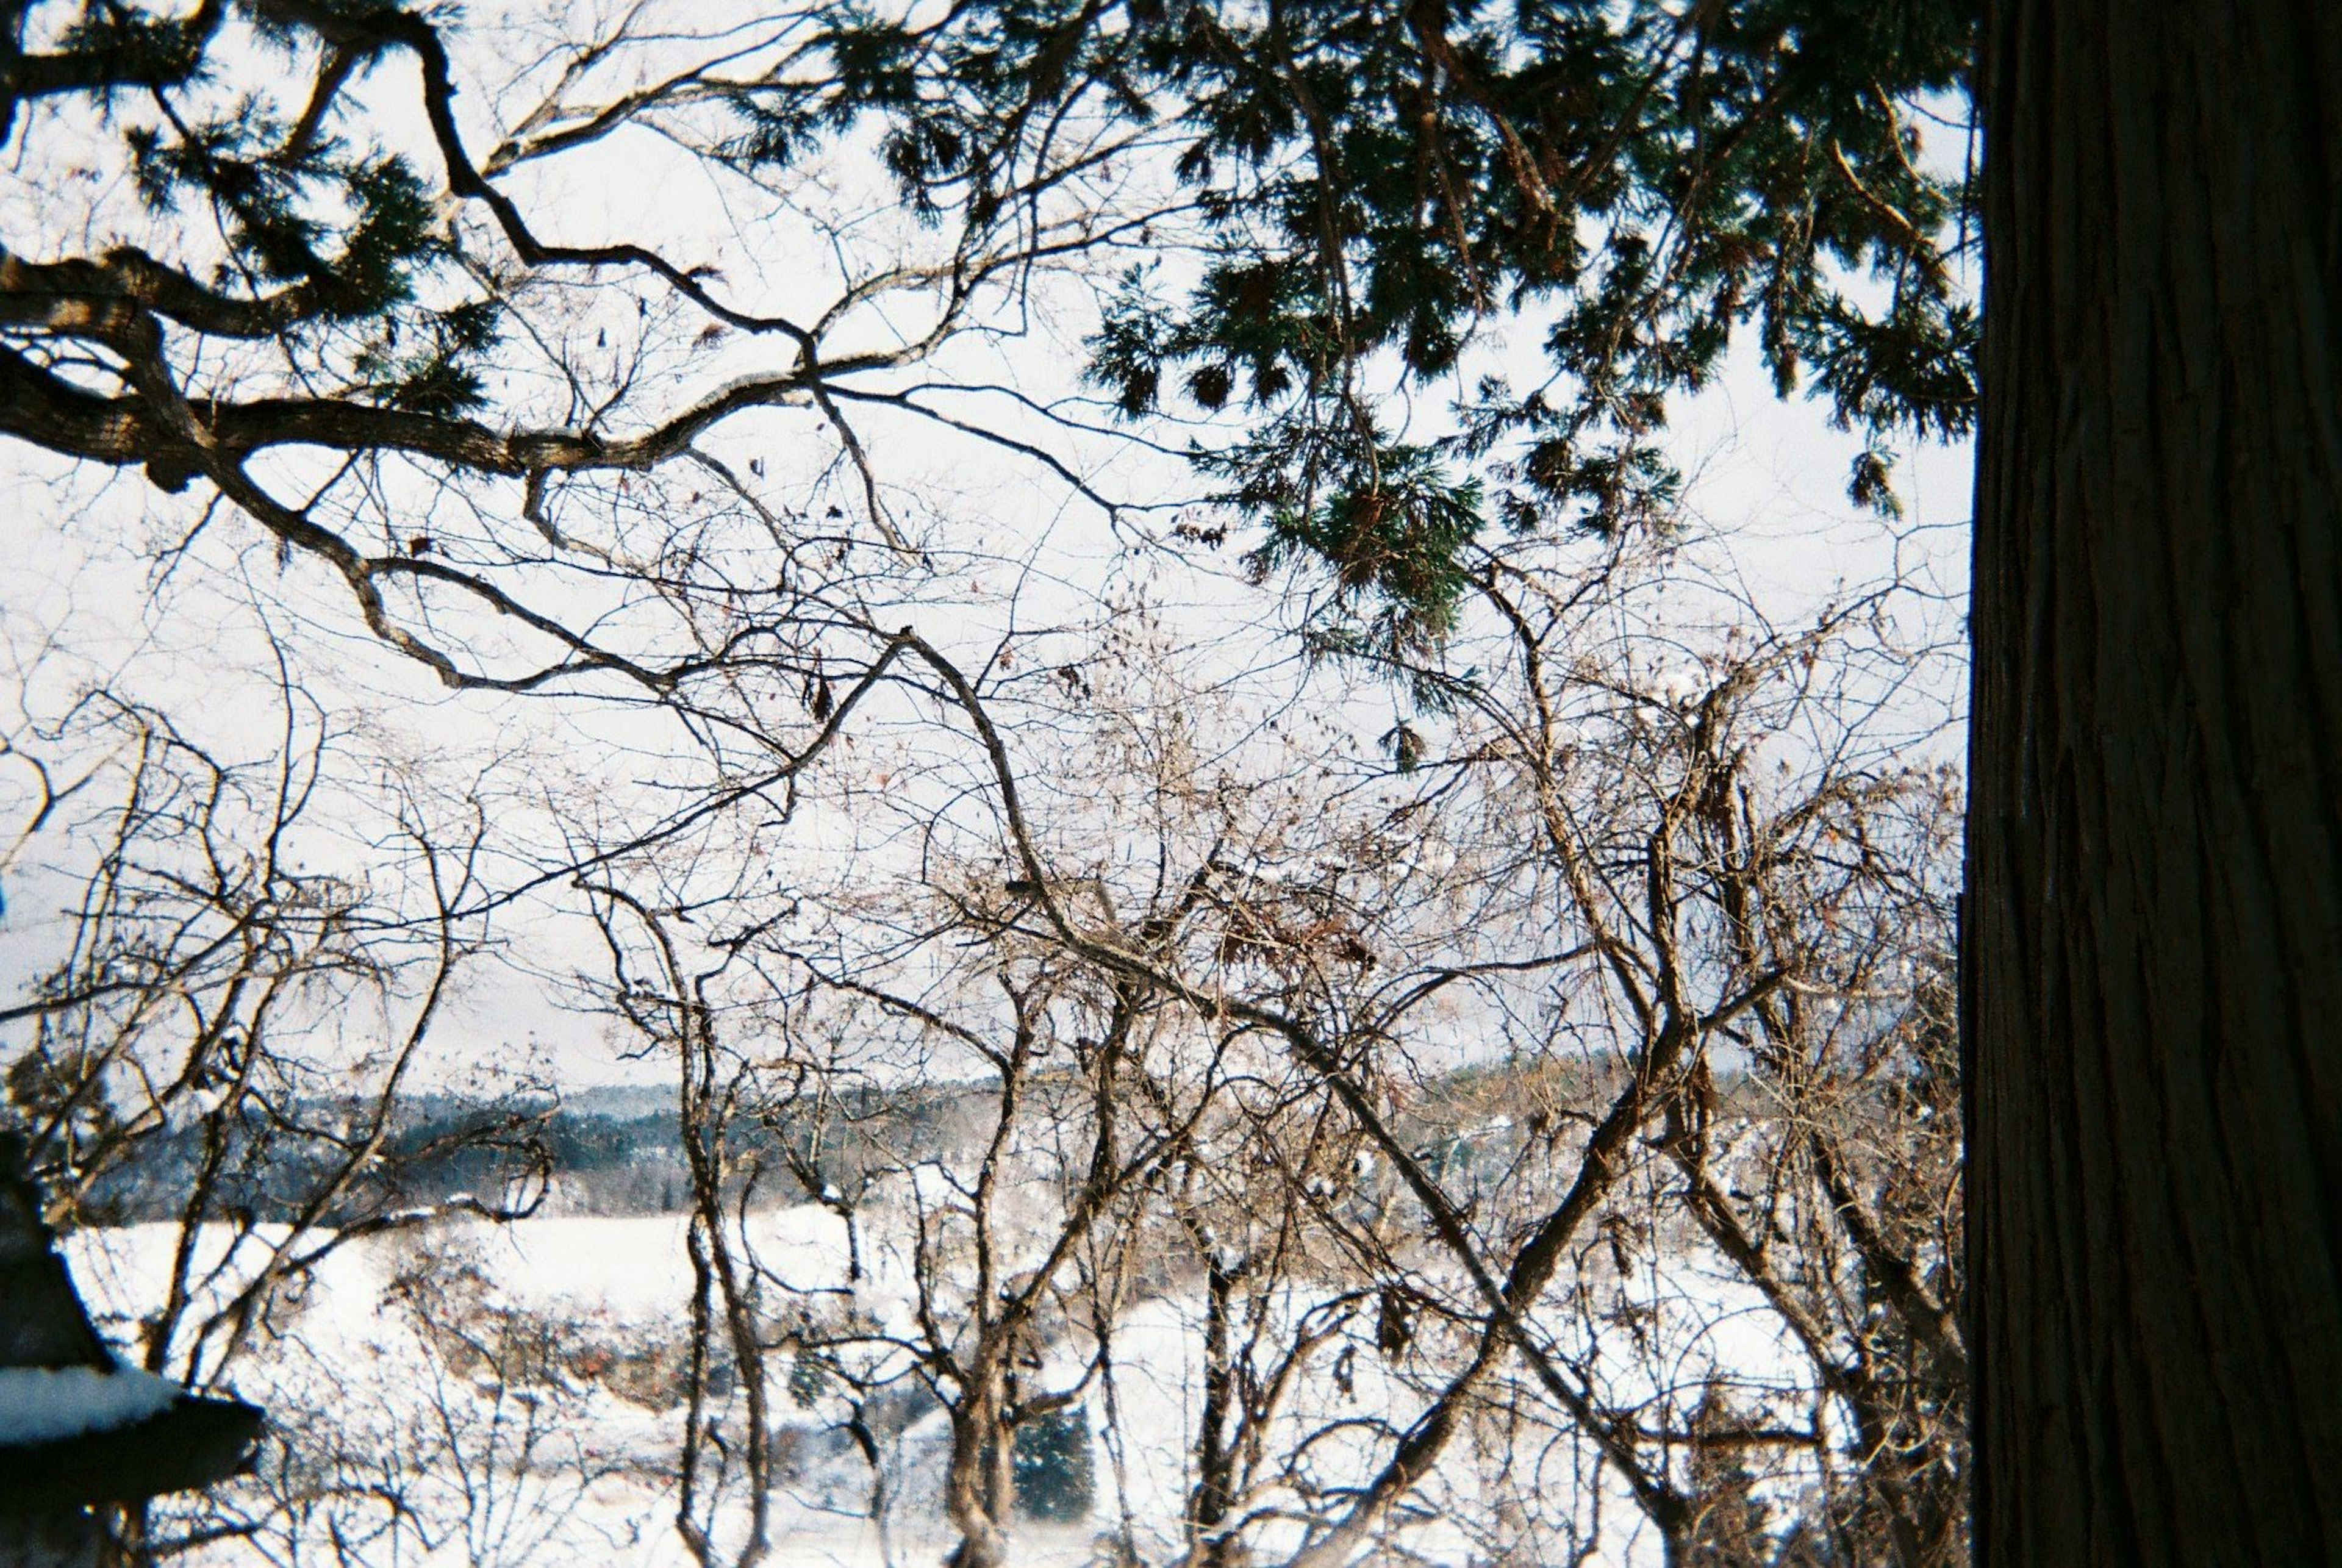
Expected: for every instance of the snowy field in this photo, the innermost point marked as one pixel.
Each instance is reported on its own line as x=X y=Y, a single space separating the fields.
x=463 y=1393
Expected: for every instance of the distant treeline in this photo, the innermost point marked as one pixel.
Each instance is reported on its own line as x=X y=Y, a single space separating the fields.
x=614 y=1151
x=619 y=1149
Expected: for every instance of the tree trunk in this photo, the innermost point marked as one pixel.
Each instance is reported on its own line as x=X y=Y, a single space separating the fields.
x=1213 y=1496
x=976 y=1477
x=2154 y=878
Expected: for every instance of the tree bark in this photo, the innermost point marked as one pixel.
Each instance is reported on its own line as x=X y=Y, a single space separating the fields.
x=2155 y=879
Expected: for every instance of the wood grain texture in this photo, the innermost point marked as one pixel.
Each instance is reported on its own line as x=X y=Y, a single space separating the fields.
x=2155 y=883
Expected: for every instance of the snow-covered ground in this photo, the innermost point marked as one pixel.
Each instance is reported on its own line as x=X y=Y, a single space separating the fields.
x=554 y=1436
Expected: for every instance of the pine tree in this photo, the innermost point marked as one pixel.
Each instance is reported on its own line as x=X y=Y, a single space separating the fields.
x=1054 y=1469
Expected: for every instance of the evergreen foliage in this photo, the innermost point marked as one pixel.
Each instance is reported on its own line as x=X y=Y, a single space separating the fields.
x=809 y=1379
x=1639 y=181
x=339 y=249
x=1055 y=1473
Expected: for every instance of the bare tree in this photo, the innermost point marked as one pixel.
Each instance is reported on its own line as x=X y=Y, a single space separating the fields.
x=1680 y=908
x=228 y=1040
x=1541 y=1116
